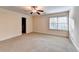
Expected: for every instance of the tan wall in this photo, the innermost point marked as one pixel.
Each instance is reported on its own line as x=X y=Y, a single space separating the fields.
x=40 y=24
x=10 y=24
x=29 y=24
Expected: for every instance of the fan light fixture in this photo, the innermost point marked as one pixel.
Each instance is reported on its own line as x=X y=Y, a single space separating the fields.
x=35 y=9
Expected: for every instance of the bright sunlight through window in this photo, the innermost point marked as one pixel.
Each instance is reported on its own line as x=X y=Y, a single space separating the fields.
x=59 y=23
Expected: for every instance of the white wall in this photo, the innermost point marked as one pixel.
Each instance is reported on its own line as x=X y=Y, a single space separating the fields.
x=10 y=24
x=74 y=26
x=40 y=24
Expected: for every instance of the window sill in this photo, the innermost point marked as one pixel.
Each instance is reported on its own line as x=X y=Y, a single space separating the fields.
x=58 y=30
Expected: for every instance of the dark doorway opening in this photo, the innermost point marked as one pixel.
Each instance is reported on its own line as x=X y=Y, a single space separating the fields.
x=23 y=25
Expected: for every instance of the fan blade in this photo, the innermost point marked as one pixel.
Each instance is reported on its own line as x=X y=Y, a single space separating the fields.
x=40 y=10
x=31 y=13
x=38 y=13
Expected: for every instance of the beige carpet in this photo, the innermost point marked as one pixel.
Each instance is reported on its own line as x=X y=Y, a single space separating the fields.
x=36 y=42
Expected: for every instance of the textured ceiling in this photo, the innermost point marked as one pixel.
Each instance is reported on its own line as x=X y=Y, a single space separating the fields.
x=47 y=9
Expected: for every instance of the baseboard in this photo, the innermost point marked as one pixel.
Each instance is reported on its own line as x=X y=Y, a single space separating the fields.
x=6 y=38
x=74 y=43
x=51 y=34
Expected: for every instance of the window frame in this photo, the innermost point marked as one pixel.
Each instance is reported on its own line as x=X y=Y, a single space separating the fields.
x=57 y=23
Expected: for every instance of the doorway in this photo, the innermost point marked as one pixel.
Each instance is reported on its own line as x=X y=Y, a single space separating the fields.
x=23 y=25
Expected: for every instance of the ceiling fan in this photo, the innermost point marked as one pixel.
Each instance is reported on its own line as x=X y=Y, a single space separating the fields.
x=34 y=9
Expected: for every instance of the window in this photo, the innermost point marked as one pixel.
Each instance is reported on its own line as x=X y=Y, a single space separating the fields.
x=59 y=23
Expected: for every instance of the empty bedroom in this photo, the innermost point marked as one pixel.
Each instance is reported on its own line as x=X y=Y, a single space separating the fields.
x=39 y=29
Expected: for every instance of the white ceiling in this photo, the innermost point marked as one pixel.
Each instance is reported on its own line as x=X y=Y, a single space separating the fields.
x=47 y=9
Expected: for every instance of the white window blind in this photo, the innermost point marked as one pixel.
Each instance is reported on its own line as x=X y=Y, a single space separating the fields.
x=58 y=23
